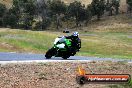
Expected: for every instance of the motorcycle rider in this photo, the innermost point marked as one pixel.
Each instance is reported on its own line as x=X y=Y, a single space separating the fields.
x=76 y=42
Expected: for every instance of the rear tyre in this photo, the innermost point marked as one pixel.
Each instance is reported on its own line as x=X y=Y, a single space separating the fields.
x=73 y=53
x=50 y=53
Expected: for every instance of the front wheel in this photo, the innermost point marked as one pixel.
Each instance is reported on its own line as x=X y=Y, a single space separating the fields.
x=50 y=53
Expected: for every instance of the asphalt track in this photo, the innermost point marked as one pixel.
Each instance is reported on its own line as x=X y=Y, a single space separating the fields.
x=12 y=56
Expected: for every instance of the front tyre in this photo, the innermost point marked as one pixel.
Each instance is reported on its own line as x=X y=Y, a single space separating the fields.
x=50 y=53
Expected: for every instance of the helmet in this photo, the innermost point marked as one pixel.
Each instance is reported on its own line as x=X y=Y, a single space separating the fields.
x=75 y=34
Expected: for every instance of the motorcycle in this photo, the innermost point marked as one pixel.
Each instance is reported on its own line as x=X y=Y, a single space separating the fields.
x=63 y=48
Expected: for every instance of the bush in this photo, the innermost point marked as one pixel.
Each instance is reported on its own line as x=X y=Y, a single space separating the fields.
x=10 y=20
x=1 y=22
x=57 y=7
x=97 y=8
x=2 y=10
x=42 y=25
x=38 y=26
x=77 y=11
x=129 y=2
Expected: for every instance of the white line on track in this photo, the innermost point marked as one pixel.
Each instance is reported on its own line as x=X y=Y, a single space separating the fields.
x=41 y=61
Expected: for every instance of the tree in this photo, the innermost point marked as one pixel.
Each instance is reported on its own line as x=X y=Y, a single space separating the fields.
x=116 y=5
x=58 y=10
x=88 y=14
x=43 y=14
x=77 y=10
x=41 y=9
x=109 y=7
x=98 y=7
x=57 y=7
x=24 y=10
x=129 y=2
x=2 y=12
x=10 y=20
x=42 y=25
x=28 y=13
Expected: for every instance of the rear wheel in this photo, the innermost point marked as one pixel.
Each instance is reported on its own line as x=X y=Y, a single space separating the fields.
x=50 y=53
x=73 y=53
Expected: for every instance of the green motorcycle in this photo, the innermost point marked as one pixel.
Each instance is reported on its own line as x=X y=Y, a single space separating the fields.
x=62 y=48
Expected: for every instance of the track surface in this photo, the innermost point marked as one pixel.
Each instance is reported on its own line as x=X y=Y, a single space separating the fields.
x=4 y=56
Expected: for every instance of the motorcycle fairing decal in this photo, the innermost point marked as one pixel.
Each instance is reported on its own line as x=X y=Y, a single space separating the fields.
x=68 y=42
x=61 y=45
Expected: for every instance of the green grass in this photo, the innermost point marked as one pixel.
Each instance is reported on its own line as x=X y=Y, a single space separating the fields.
x=98 y=44
x=107 y=44
x=26 y=41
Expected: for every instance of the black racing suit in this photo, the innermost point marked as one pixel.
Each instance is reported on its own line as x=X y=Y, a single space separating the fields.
x=76 y=43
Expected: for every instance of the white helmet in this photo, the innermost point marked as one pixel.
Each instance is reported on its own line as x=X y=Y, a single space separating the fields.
x=75 y=34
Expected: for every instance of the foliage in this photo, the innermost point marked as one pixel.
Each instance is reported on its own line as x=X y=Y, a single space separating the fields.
x=10 y=20
x=97 y=8
x=42 y=25
x=116 y=4
x=57 y=7
x=88 y=14
x=57 y=10
x=2 y=9
x=25 y=11
x=79 y=12
x=2 y=12
x=46 y=12
x=129 y=2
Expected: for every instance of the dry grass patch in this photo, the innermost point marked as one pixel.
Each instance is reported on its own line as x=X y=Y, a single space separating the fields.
x=56 y=74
